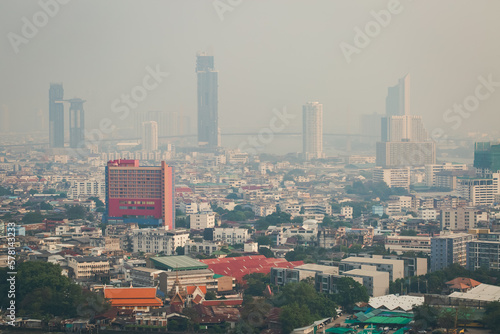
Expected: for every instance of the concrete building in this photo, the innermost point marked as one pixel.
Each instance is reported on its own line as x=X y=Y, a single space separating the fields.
x=449 y=248
x=479 y=191
x=56 y=116
x=202 y=220
x=484 y=253
x=140 y=194
x=159 y=240
x=401 y=244
x=208 y=101
x=86 y=267
x=394 y=267
x=312 y=131
x=231 y=235
x=346 y=211
x=393 y=177
x=432 y=170
x=402 y=154
x=283 y=276
x=375 y=282
x=87 y=188
x=459 y=219
x=145 y=277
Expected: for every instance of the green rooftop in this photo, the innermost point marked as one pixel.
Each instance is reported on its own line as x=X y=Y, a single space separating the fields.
x=177 y=263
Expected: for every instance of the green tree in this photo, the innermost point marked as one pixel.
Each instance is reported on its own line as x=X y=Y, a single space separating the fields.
x=264 y=240
x=5 y=192
x=46 y=206
x=349 y=293
x=76 y=212
x=266 y=252
x=294 y=316
x=32 y=218
x=256 y=283
x=491 y=316
x=42 y=291
x=210 y=295
x=179 y=250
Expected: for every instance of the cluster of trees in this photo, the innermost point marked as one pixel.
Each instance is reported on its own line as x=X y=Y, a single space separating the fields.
x=239 y=213
x=300 y=303
x=5 y=192
x=374 y=189
x=276 y=218
x=43 y=293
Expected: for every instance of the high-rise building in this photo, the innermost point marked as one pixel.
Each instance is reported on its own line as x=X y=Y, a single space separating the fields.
x=433 y=169
x=169 y=122
x=312 y=130
x=459 y=219
x=76 y=123
x=449 y=248
x=393 y=177
x=487 y=157
x=208 y=117
x=404 y=140
x=479 y=190
x=397 y=102
x=144 y=195
x=150 y=136
x=56 y=115
x=484 y=253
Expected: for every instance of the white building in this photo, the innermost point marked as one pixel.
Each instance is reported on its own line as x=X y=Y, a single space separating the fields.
x=346 y=211
x=231 y=235
x=459 y=219
x=312 y=130
x=427 y=214
x=375 y=282
x=432 y=170
x=86 y=189
x=479 y=191
x=393 y=177
x=200 y=221
x=159 y=240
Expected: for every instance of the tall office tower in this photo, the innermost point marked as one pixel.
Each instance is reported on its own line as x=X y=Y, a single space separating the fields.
x=208 y=118
x=486 y=158
x=143 y=195
x=449 y=248
x=397 y=102
x=312 y=130
x=150 y=136
x=56 y=115
x=404 y=140
x=76 y=123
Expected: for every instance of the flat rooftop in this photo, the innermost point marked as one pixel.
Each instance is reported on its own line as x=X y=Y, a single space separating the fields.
x=370 y=260
x=177 y=263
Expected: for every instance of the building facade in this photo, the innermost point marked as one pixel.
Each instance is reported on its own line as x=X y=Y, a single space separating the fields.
x=449 y=248
x=140 y=194
x=208 y=103
x=312 y=131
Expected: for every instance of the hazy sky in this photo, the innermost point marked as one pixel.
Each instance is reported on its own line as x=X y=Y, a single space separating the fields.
x=269 y=54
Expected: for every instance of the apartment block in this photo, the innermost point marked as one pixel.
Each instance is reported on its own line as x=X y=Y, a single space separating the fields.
x=459 y=219
x=449 y=248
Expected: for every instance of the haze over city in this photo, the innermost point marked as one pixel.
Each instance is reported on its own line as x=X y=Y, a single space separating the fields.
x=257 y=167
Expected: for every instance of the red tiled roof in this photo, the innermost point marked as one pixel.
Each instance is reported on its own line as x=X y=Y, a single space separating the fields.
x=463 y=283
x=191 y=288
x=132 y=296
x=197 y=299
x=238 y=267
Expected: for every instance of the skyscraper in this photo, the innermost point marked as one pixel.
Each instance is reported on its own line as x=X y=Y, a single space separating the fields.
x=208 y=118
x=487 y=158
x=56 y=116
x=144 y=195
x=404 y=140
x=150 y=136
x=397 y=102
x=76 y=123
x=312 y=130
